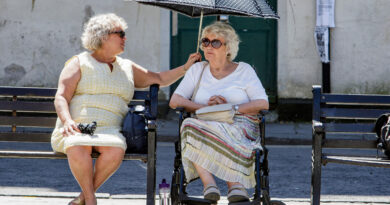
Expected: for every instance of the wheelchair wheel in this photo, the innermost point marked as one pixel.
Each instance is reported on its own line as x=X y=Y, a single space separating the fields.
x=175 y=190
x=275 y=202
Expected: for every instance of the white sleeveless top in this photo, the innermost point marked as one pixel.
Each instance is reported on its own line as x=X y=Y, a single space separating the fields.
x=101 y=95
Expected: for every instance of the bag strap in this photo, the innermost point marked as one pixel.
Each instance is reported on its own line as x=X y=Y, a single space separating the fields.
x=197 y=84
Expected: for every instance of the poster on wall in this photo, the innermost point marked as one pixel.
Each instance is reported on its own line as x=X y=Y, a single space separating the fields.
x=325 y=13
x=321 y=36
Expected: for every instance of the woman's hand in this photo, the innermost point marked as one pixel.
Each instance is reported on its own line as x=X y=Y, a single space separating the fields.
x=194 y=57
x=216 y=99
x=70 y=128
x=144 y=78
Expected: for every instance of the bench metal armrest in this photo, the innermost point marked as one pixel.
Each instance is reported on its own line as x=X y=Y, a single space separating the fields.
x=152 y=125
x=318 y=127
x=153 y=102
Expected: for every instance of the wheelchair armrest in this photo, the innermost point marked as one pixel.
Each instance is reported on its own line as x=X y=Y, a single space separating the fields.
x=183 y=114
x=261 y=140
x=259 y=151
x=179 y=110
x=263 y=112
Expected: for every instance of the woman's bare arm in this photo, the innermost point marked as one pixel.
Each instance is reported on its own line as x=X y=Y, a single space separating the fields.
x=67 y=83
x=144 y=78
x=180 y=101
x=253 y=107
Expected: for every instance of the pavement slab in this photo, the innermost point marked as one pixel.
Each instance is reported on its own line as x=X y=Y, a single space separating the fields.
x=48 y=181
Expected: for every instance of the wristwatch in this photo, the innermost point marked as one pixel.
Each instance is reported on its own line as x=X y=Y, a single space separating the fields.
x=235 y=108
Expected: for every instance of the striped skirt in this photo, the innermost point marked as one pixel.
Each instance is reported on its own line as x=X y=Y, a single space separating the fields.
x=225 y=150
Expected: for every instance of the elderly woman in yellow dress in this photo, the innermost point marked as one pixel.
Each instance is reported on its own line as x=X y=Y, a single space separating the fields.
x=219 y=148
x=97 y=86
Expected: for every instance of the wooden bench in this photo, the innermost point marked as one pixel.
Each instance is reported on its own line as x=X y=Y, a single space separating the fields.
x=342 y=122
x=28 y=115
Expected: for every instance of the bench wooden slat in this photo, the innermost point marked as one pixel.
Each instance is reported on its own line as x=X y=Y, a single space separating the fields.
x=25 y=137
x=56 y=155
x=27 y=91
x=27 y=106
x=346 y=143
x=28 y=121
x=355 y=99
x=358 y=128
x=357 y=160
x=345 y=113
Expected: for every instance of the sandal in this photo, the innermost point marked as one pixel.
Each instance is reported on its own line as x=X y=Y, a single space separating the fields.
x=212 y=193
x=237 y=193
x=76 y=201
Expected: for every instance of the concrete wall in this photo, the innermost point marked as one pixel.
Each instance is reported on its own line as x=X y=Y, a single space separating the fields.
x=37 y=37
x=359 y=44
x=298 y=62
x=360 y=49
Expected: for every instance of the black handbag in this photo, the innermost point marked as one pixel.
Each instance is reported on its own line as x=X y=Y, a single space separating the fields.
x=134 y=129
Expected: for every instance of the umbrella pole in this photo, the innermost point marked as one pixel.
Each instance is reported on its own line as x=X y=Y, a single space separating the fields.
x=200 y=29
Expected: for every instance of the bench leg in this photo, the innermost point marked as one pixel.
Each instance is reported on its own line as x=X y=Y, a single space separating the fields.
x=151 y=172
x=316 y=169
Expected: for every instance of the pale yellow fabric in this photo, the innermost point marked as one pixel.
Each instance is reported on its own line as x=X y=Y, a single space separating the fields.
x=101 y=96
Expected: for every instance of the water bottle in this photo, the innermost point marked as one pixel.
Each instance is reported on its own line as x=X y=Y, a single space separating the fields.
x=164 y=193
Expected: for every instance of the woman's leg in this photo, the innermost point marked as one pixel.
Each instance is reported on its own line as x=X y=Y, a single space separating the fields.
x=81 y=165
x=206 y=177
x=106 y=164
x=230 y=184
x=210 y=189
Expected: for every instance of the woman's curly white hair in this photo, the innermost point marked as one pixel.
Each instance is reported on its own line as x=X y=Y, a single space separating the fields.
x=98 y=27
x=227 y=32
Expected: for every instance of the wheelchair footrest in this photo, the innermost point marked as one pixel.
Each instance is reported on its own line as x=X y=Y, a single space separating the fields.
x=194 y=200
x=253 y=202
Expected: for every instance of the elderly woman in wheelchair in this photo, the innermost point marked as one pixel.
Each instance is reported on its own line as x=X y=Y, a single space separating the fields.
x=219 y=148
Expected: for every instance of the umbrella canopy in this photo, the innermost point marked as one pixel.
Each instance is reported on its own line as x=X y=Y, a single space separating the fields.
x=194 y=8
x=200 y=8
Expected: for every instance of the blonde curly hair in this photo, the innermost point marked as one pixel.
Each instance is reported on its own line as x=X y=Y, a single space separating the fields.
x=98 y=28
x=227 y=32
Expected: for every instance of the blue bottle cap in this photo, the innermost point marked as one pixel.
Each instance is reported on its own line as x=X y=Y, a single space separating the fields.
x=163 y=184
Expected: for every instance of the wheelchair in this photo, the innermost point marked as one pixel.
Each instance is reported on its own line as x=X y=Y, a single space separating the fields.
x=179 y=195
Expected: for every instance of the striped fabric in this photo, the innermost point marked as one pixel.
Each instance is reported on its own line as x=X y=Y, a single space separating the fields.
x=225 y=150
x=101 y=96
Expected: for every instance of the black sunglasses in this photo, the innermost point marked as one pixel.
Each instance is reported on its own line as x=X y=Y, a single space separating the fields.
x=122 y=34
x=214 y=43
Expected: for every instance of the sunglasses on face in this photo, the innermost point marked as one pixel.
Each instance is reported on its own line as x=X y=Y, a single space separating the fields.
x=122 y=34
x=214 y=43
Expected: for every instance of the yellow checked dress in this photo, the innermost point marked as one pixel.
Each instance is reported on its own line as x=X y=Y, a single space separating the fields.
x=101 y=96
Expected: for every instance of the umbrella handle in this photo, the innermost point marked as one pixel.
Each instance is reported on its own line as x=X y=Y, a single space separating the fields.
x=200 y=29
